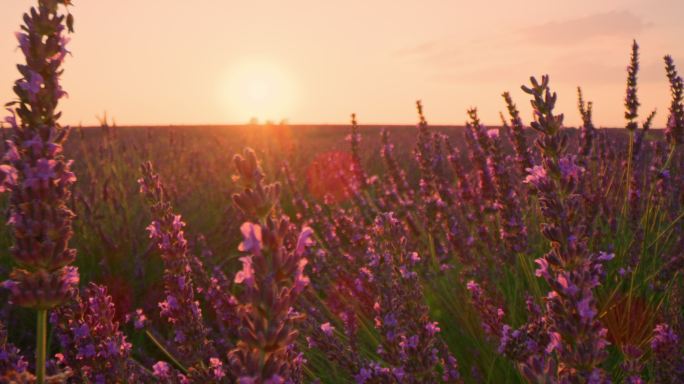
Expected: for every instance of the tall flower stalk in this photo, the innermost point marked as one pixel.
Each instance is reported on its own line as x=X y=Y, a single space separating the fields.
x=181 y=308
x=272 y=277
x=570 y=269
x=507 y=202
x=358 y=172
x=36 y=173
x=631 y=100
x=675 y=122
x=587 y=130
x=522 y=151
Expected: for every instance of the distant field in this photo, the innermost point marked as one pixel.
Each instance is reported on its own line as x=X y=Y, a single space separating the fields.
x=196 y=165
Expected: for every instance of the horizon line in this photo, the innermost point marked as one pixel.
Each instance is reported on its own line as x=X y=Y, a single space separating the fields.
x=370 y=125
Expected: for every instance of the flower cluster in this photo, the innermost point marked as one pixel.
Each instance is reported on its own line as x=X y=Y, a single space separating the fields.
x=669 y=358
x=570 y=269
x=675 y=123
x=181 y=308
x=272 y=278
x=411 y=350
x=12 y=363
x=257 y=199
x=631 y=99
x=513 y=231
x=92 y=342
x=522 y=152
x=587 y=129
x=35 y=170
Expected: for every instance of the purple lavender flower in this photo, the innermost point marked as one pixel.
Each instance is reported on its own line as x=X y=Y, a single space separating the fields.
x=181 y=308
x=38 y=176
x=162 y=370
x=273 y=278
x=327 y=329
x=252 y=238
x=569 y=170
x=36 y=172
x=139 y=319
x=631 y=100
x=257 y=199
x=664 y=339
x=411 y=350
x=536 y=176
x=512 y=229
x=569 y=267
x=246 y=275
x=668 y=357
x=360 y=177
x=587 y=129
x=675 y=124
x=261 y=352
x=492 y=315
x=11 y=361
x=522 y=152
x=91 y=341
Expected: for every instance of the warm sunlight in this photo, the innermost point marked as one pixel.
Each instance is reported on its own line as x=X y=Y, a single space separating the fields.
x=257 y=89
x=267 y=202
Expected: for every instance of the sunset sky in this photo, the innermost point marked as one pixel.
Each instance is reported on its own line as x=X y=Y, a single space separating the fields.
x=218 y=61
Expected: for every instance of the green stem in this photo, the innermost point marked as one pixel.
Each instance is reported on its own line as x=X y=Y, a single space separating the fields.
x=41 y=345
x=166 y=352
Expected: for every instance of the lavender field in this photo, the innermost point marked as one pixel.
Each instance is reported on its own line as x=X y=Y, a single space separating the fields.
x=528 y=252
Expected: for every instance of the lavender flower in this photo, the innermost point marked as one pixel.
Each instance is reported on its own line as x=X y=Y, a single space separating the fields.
x=587 y=129
x=675 y=123
x=360 y=178
x=512 y=230
x=639 y=139
x=424 y=154
x=522 y=152
x=35 y=170
x=631 y=100
x=180 y=308
x=633 y=365
x=479 y=144
x=492 y=314
x=12 y=363
x=400 y=190
x=569 y=268
x=91 y=340
x=257 y=199
x=410 y=350
x=165 y=373
x=669 y=358
x=273 y=278
x=327 y=329
x=38 y=176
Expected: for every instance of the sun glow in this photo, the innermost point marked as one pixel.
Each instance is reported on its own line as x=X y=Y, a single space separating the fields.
x=257 y=89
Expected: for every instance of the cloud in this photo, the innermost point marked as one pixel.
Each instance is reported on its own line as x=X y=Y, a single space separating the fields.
x=570 y=50
x=579 y=30
x=456 y=51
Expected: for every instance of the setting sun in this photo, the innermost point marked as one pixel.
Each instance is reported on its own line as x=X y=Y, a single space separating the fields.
x=257 y=89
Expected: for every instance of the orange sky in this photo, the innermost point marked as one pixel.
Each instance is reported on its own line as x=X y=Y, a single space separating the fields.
x=223 y=61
